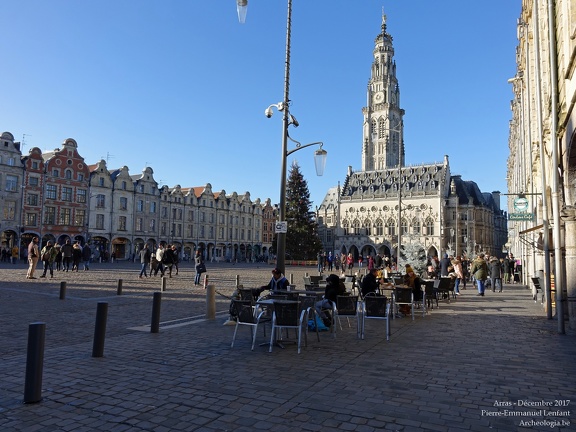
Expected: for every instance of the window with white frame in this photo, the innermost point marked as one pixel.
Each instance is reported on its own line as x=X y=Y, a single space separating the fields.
x=66 y=193
x=50 y=215
x=81 y=195
x=11 y=183
x=51 y=191
x=99 y=221
x=65 y=216
x=79 y=217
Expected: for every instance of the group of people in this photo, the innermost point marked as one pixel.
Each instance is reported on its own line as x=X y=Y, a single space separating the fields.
x=66 y=257
x=164 y=260
x=482 y=269
x=9 y=254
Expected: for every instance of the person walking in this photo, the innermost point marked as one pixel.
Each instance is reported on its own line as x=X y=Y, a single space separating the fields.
x=144 y=261
x=86 y=256
x=168 y=260
x=506 y=269
x=199 y=266
x=14 y=254
x=76 y=256
x=459 y=272
x=480 y=272
x=175 y=258
x=159 y=259
x=48 y=255
x=496 y=273
x=330 y=260
x=511 y=269
x=58 y=259
x=67 y=251
x=444 y=264
x=33 y=256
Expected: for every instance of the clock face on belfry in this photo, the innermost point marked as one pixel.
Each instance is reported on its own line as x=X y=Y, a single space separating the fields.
x=378 y=97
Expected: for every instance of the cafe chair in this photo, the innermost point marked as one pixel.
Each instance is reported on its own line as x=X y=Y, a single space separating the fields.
x=375 y=306
x=289 y=316
x=347 y=306
x=403 y=296
x=315 y=280
x=246 y=315
x=308 y=303
x=443 y=287
x=430 y=296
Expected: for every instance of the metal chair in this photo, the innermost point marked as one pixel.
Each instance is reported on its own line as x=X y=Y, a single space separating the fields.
x=308 y=303
x=403 y=296
x=375 y=307
x=443 y=287
x=430 y=296
x=348 y=306
x=248 y=316
x=288 y=315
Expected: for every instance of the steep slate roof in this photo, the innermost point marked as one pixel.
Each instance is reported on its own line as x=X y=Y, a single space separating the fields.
x=418 y=180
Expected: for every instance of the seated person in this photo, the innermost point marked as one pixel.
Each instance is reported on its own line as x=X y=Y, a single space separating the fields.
x=369 y=283
x=334 y=288
x=278 y=282
x=413 y=282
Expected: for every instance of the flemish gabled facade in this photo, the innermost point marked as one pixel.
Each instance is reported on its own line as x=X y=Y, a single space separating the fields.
x=11 y=190
x=65 y=201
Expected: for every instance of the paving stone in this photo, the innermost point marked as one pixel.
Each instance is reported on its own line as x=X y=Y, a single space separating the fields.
x=437 y=373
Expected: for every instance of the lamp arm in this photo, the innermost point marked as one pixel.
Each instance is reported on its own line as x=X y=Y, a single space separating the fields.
x=300 y=146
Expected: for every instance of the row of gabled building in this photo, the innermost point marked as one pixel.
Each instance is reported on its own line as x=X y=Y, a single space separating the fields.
x=57 y=196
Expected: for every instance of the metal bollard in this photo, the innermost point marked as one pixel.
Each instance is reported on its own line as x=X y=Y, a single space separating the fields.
x=291 y=279
x=119 y=289
x=237 y=280
x=100 y=329
x=62 y=290
x=211 y=302
x=205 y=284
x=155 y=325
x=34 y=362
x=163 y=286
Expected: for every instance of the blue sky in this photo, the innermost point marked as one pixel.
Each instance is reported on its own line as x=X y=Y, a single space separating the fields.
x=181 y=86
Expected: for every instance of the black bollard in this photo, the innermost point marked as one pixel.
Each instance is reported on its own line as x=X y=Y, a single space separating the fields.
x=100 y=329
x=155 y=325
x=62 y=290
x=163 y=286
x=119 y=290
x=34 y=362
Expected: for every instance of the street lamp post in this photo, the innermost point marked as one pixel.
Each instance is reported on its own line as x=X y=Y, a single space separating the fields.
x=287 y=120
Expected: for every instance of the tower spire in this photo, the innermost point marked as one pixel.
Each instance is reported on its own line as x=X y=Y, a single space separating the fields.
x=383 y=21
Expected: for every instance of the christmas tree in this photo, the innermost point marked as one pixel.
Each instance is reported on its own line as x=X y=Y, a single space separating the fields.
x=302 y=239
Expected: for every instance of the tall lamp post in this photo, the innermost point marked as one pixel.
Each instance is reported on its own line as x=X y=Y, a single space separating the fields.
x=287 y=120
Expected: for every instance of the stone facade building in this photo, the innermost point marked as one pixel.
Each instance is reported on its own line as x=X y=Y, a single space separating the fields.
x=56 y=196
x=386 y=203
x=542 y=161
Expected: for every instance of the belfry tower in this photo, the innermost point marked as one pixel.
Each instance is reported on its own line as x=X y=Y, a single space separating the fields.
x=383 y=145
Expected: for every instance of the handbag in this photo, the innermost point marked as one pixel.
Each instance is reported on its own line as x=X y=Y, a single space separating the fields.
x=201 y=268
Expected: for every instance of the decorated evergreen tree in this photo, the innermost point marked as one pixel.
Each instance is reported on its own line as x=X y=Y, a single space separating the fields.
x=415 y=255
x=302 y=240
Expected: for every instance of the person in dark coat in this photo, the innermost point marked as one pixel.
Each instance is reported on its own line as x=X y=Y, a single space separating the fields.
x=444 y=264
x=168 y=260
x=86 y=256
x=334 y=288
x=145 y=256
x=369 y=283
x=495 y=267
